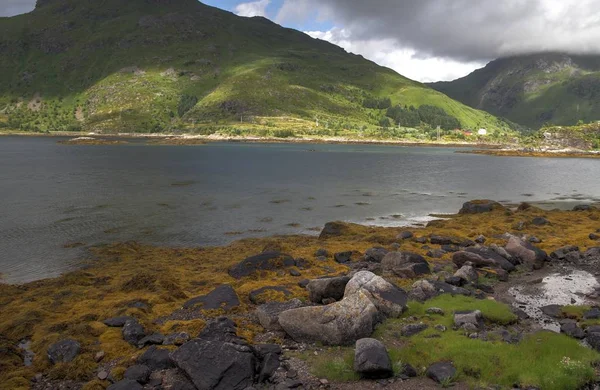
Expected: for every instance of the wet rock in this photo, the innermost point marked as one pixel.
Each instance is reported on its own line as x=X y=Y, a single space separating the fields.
x=266 y=261
x=268 y=313
x=592 y=314
x=156 y=359
x=405 y=264
x=540 y=221
x=527 y=253
x=413 y=329
x=117 y=322
x=441 y=372
x=320 y=289
x=257 y=298
x=343 y=257
x=570 y=328
x=125 y=384
x=138 y=373
x=554 y=311
x=389 y=299
x=474 y=318
x=480 y=206
x=341 y=323
x=375 y=254
x=371 y=359
x=133 y=332
x=405 y=235
x=467 y=274
x=153 y=339
x=178 y=338
x=64 y=351
x=333 y=229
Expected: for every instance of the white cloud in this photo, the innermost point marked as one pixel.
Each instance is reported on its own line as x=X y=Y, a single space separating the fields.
x=254 y=8
x=405 y=61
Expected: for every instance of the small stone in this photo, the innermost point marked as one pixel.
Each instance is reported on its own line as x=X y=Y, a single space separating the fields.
x=295 y=272
x=435 y=310
x=99 y=356
x=321 y=253
x=303 y=283
x=102 y=375
x=413 y=329
x=324 y=382
x=594 y=236
x=38 y=377
x=441 y=372
x=480 y=239
x=440 y=328
x=405 y=235
x=292 y=374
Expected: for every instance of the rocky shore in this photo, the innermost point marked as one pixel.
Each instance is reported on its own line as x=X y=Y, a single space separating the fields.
x=489 y=298
x=91 y=141
x=535 y=153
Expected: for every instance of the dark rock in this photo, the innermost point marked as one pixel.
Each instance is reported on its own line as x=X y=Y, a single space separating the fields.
x=295 y=272
x=117 y=322
x=583 y=207
x=376 y=254
x=256 y=298
x=482 y=257
x=446 y=288
x=221 y=329
x=405 y=264
x=319 y=289
x=450 y=248
x=138 y=373
x=156 y=359
x=435 y=310
x=302 y=264
x=421 y=240
x=554 y=311
x=139 y=305
x=484 y=287
x=268 y=313
x=216 y=364
x=520 y=313
x=592 y=314
x=480 y=206
x=269 y=360
x=333 y=229
x=343 y=257
x=594 y=236
x=266 y=261
x=524 y=206
x=125 y=384
x=561 y=253
x=153 y=339
x=436 y=253
x=321 y=252
x=534 y=240
x=480 y=239
x=570 y=328
x=405 y=235
x=303 y=283
x=371 y=359
x=593 y=339
x=133 y=332
x=64 y=351
x=540 y=221
x=592 y=329
x=413 y=329
x=443 y=240
x=178 y=338
x=441 y=372
x=408 y=371
x=455 y=281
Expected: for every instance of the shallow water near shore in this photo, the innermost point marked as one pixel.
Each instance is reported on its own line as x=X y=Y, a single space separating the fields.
x=57 y=199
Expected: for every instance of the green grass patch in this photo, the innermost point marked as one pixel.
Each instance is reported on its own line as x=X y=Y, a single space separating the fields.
x=574 y=312
x=336 y=364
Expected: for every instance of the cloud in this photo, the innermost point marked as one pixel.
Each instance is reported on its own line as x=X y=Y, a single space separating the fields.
x=16 y=7
x=254 y=8
x=464 y=31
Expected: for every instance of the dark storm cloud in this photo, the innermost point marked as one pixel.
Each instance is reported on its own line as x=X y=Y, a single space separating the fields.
x=465 y=30
x=15 y=7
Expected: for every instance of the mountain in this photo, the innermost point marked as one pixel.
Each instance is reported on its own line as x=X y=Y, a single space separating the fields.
x=163 y=65
x=533 y=90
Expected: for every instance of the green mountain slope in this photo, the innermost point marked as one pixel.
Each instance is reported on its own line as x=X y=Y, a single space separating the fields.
x=166 y=65
x=534 y=89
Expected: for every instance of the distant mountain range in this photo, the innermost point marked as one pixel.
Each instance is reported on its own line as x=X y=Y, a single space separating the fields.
x=159 y=65
x=533 y=90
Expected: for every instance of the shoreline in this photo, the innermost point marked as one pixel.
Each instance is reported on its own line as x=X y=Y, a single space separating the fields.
x=540 y=154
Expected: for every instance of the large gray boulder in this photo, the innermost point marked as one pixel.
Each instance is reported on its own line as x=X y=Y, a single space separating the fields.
x=327 y=288
x=389 y=299
x=527 y=253
x=480 y=206
x=371 y=359
x=405 y=264
x=64 y=351
x=133 y=332
x=268 y=313
x=441 y=372
x=481 y=257
x=340 y=323
x=266 y=261
x=467 y=274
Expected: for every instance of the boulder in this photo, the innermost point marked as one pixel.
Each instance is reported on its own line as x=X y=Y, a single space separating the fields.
x=64 y=351
x=139 y=373
x=156 y=359
x=468 y=317
x=371 y=359
x=117 y=322
x=269 y=360
x=592 y=314
x=320 y=289
x=340 y=323
x=321 y=253
x=455 y=281
x=480 y=239
x=502 y=252
x=480 y=206
x=441 y=372
x=405 y=235
x=436 y=253
x=570 y=328
x=266 y=261
x=467 y=274
x=153 y=339
x=554 y=311
x=422 y=290
x=216 y=364
x=222 y=297
x=133 y=332
x=268 y=313
x=413 y=329
x=444 y=240
x=178 y=338
x=376 y=254
x=446 y=288
x=540 y=221
x=527 y=253
x=221 y=329
x=333 y=229
x=405 y=264
x=125 y=384
x=593 y=339
x=389 y=299
x=482 y=257
x=407 y=371
x=343 y=257
x=563 y=252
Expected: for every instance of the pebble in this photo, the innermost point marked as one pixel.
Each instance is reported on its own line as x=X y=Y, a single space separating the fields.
x=99 y=356
x=102 y=375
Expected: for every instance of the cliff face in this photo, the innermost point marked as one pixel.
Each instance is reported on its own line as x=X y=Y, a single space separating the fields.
x=532 y=90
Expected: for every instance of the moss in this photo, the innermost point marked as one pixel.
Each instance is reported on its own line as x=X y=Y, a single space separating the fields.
x=574 y=312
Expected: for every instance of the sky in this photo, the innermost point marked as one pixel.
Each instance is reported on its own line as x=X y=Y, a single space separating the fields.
x=427 y=40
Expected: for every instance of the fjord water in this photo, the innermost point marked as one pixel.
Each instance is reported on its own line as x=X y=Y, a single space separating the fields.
x=52 y=195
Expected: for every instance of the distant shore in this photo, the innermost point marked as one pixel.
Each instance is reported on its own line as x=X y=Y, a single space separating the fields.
x=543 y=154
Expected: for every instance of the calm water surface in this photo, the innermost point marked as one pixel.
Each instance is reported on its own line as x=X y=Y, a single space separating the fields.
x=52 y=195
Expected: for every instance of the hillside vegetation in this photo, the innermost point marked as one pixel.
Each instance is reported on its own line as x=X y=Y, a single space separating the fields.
x=533 y=90
x=181 y=66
